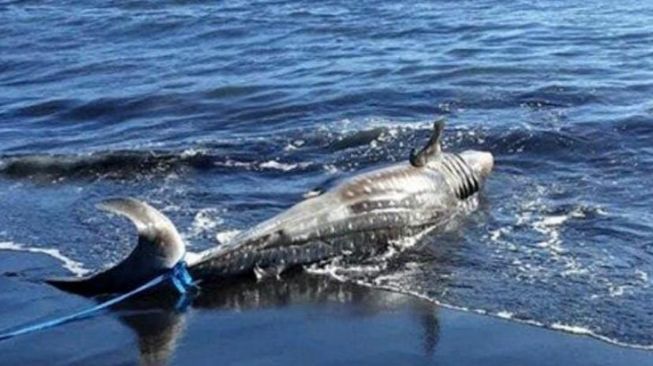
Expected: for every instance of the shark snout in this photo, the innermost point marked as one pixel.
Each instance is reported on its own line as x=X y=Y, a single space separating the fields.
x=481 y=162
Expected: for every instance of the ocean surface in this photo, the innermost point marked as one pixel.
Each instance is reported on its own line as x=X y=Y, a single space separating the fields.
x=223 y=114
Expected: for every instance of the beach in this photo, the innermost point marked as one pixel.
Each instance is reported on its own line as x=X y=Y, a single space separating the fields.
x=300 y=319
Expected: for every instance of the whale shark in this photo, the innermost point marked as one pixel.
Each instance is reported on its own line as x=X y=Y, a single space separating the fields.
x=355 y=219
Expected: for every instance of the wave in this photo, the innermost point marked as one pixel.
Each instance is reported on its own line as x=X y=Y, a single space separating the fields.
x=114 y=164
x=76 y=268
x=287 y=153
x=131 y=164
x=346 y=143
x=356 y=273
x=506 y=315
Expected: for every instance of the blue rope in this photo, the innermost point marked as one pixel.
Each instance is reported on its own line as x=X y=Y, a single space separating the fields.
x=179 y=275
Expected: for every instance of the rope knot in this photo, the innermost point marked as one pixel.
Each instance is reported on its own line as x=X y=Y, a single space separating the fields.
x=181 y=278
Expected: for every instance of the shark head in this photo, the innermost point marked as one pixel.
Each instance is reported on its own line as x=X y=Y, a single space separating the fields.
x=465 y=172
x=481 y=163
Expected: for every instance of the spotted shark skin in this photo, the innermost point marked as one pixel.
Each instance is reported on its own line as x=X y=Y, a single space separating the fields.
x=357 y=218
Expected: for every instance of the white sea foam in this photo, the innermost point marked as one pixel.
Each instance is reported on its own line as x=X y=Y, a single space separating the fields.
x=73 y=266
x=571 y=328
x=392 y=130
x=189 y=153
x=580 y=330
x=233 y=164
x=269 y=165
x=205 y=220
x=394 y=125
x=503 y=314
x=331 y=169
x=643 y=277
x=330 y=269
x=532 y=216
x=617 y=291
x=294 y=145
x=342 y=272
x=273 y=164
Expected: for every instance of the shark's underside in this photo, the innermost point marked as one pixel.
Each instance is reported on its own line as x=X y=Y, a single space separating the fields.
x=356 y=219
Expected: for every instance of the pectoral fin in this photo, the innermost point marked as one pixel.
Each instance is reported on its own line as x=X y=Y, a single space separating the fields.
x=262 y=273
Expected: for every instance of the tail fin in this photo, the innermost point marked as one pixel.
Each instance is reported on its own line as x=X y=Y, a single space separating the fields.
x=159 y=248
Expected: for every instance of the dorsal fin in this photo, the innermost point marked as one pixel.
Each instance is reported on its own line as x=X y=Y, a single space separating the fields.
x=159 y=248
x=432 y=148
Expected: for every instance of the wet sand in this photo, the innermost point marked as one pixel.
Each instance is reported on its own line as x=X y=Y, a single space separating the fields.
x=302 y=319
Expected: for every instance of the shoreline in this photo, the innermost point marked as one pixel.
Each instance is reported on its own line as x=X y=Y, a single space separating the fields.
x=300 y=319
x=573 y=330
